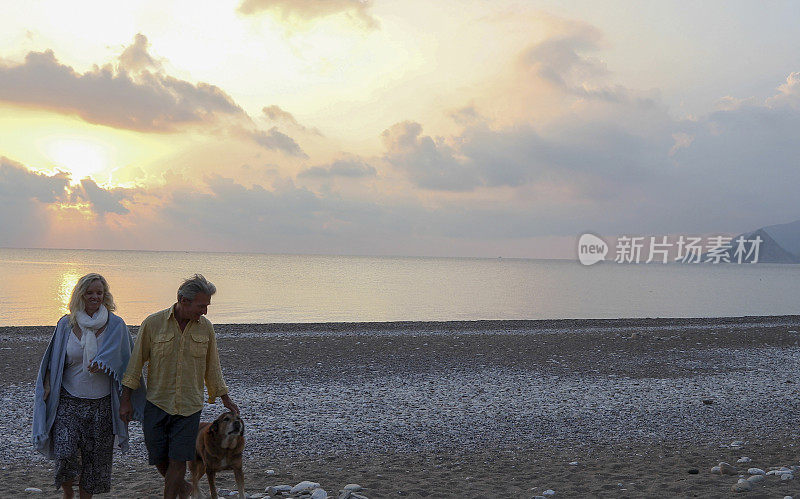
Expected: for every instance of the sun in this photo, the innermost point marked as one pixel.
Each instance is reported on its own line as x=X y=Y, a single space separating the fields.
x=81 y=157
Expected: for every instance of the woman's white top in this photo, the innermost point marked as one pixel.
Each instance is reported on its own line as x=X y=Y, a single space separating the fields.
x=79 y=382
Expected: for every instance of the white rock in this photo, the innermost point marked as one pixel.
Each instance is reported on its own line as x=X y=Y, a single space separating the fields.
x=270 y=472
x=744 y=460
x=742 y=486
x=757 y=478
x=353 y=487
x=226 y=493
x=549 y=492
x=33 y=490
x=787 y=476
x=716 y=470
x=345 y=494
x=787 y=497
x=304 y=485
x=756 y=471
x=574 y=463
x=736 y=444
x=319 y=494
x=278 y=489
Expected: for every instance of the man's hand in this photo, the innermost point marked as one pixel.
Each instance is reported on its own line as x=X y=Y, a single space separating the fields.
x=228 y=403
x=125 y=407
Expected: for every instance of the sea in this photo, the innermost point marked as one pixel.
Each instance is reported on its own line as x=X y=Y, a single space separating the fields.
x=35 y=286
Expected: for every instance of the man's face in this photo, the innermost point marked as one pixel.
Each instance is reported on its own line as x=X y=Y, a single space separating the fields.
x=193 y=309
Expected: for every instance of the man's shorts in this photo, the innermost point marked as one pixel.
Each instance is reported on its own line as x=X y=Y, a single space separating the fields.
x=169 y=436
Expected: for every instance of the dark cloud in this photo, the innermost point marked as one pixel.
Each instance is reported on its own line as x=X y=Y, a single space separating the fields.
x=347 y=168
x=104 y=200
x=145 y=102
x=276 y=141
x=298 y=11
x=17 y=182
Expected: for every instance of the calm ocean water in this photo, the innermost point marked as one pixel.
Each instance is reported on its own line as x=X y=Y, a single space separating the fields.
x=258 y=288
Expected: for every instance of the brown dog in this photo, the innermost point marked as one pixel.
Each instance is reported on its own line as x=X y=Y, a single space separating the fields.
x=219 y=447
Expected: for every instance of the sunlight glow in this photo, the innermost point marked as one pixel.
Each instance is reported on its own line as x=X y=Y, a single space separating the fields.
x=81 y=157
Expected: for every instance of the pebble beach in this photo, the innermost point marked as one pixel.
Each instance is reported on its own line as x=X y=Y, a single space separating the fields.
x=562 y=408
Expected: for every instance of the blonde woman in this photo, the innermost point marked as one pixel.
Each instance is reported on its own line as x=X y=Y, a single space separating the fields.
x=76 y=406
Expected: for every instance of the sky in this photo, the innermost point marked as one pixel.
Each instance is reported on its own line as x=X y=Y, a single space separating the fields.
x=377 y=127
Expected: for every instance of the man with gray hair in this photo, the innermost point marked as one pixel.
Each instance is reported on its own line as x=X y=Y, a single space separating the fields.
x=180 y=348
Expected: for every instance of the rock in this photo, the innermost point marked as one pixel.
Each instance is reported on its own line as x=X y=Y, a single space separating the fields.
x=270 y=472
x=787 y=497
x=353 y=495
x=693 y=471
x=744 y=460
x=303 y=486
x=715 y=470
x=574 y=463
x=319 y=494
x=353 y=487
x=33 y=490
x=226 y=493
x=259 y=495
x=756 y=471
x=727 y=469
x=757 y=478
x=344 y=494
x=742 y=486
x=736 y=444
x=278 y=489
x=708 y=400
x=787 y=476
x=549 y=492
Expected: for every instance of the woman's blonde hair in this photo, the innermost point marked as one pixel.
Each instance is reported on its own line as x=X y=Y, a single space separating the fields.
x=76 y=302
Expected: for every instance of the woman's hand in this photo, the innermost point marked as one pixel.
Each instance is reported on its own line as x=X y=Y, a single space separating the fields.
x=94 y=368
x=46 y=385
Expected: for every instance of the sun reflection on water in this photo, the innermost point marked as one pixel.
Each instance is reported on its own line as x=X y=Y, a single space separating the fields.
x=67 y=280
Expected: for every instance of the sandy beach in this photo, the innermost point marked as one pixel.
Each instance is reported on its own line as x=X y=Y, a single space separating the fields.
x=610 y=408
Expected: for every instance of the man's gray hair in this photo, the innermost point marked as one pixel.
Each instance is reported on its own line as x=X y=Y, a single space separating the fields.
x=196 y=284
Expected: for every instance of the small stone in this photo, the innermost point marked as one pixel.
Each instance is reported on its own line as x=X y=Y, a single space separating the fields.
x=353 y=487
x=756 y=478
x=278 y=489
x=756 y=471
x=33 y=490
x=303 y=486
x=574 y=463
x=715 y=470
x=708 y=401
x=744 y=460
x=270 y=472
x=787 y=476
x=344 y=494
x=742 y=486
x=319 y=494
x=549 y=492
x=225 y=493
x=353 y=495
x=787 y=497
x=727 y=469
x=736 y=444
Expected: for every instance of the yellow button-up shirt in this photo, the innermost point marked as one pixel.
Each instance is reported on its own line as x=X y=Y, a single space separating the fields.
x=178 y=363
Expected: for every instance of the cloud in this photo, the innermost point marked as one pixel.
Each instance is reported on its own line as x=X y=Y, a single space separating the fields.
x=428 y=164
x=19 y=183
x=300 y=11
x=146 y=101
x=347 y=168
x=276 y=114
x=276 y=141
x=136 y=58
x=788 y=92
x=102 y=200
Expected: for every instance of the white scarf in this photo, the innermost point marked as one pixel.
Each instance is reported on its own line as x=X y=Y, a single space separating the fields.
x=89 y=327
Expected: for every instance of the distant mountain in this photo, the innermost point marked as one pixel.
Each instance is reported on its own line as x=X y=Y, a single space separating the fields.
x=779 y=243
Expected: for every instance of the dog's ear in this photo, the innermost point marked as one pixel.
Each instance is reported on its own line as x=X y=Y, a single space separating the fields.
x=214 y=428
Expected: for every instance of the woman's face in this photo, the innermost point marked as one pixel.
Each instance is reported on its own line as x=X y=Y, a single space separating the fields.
x=93 y=297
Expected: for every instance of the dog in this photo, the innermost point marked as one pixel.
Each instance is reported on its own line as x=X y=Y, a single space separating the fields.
x=219 y=447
